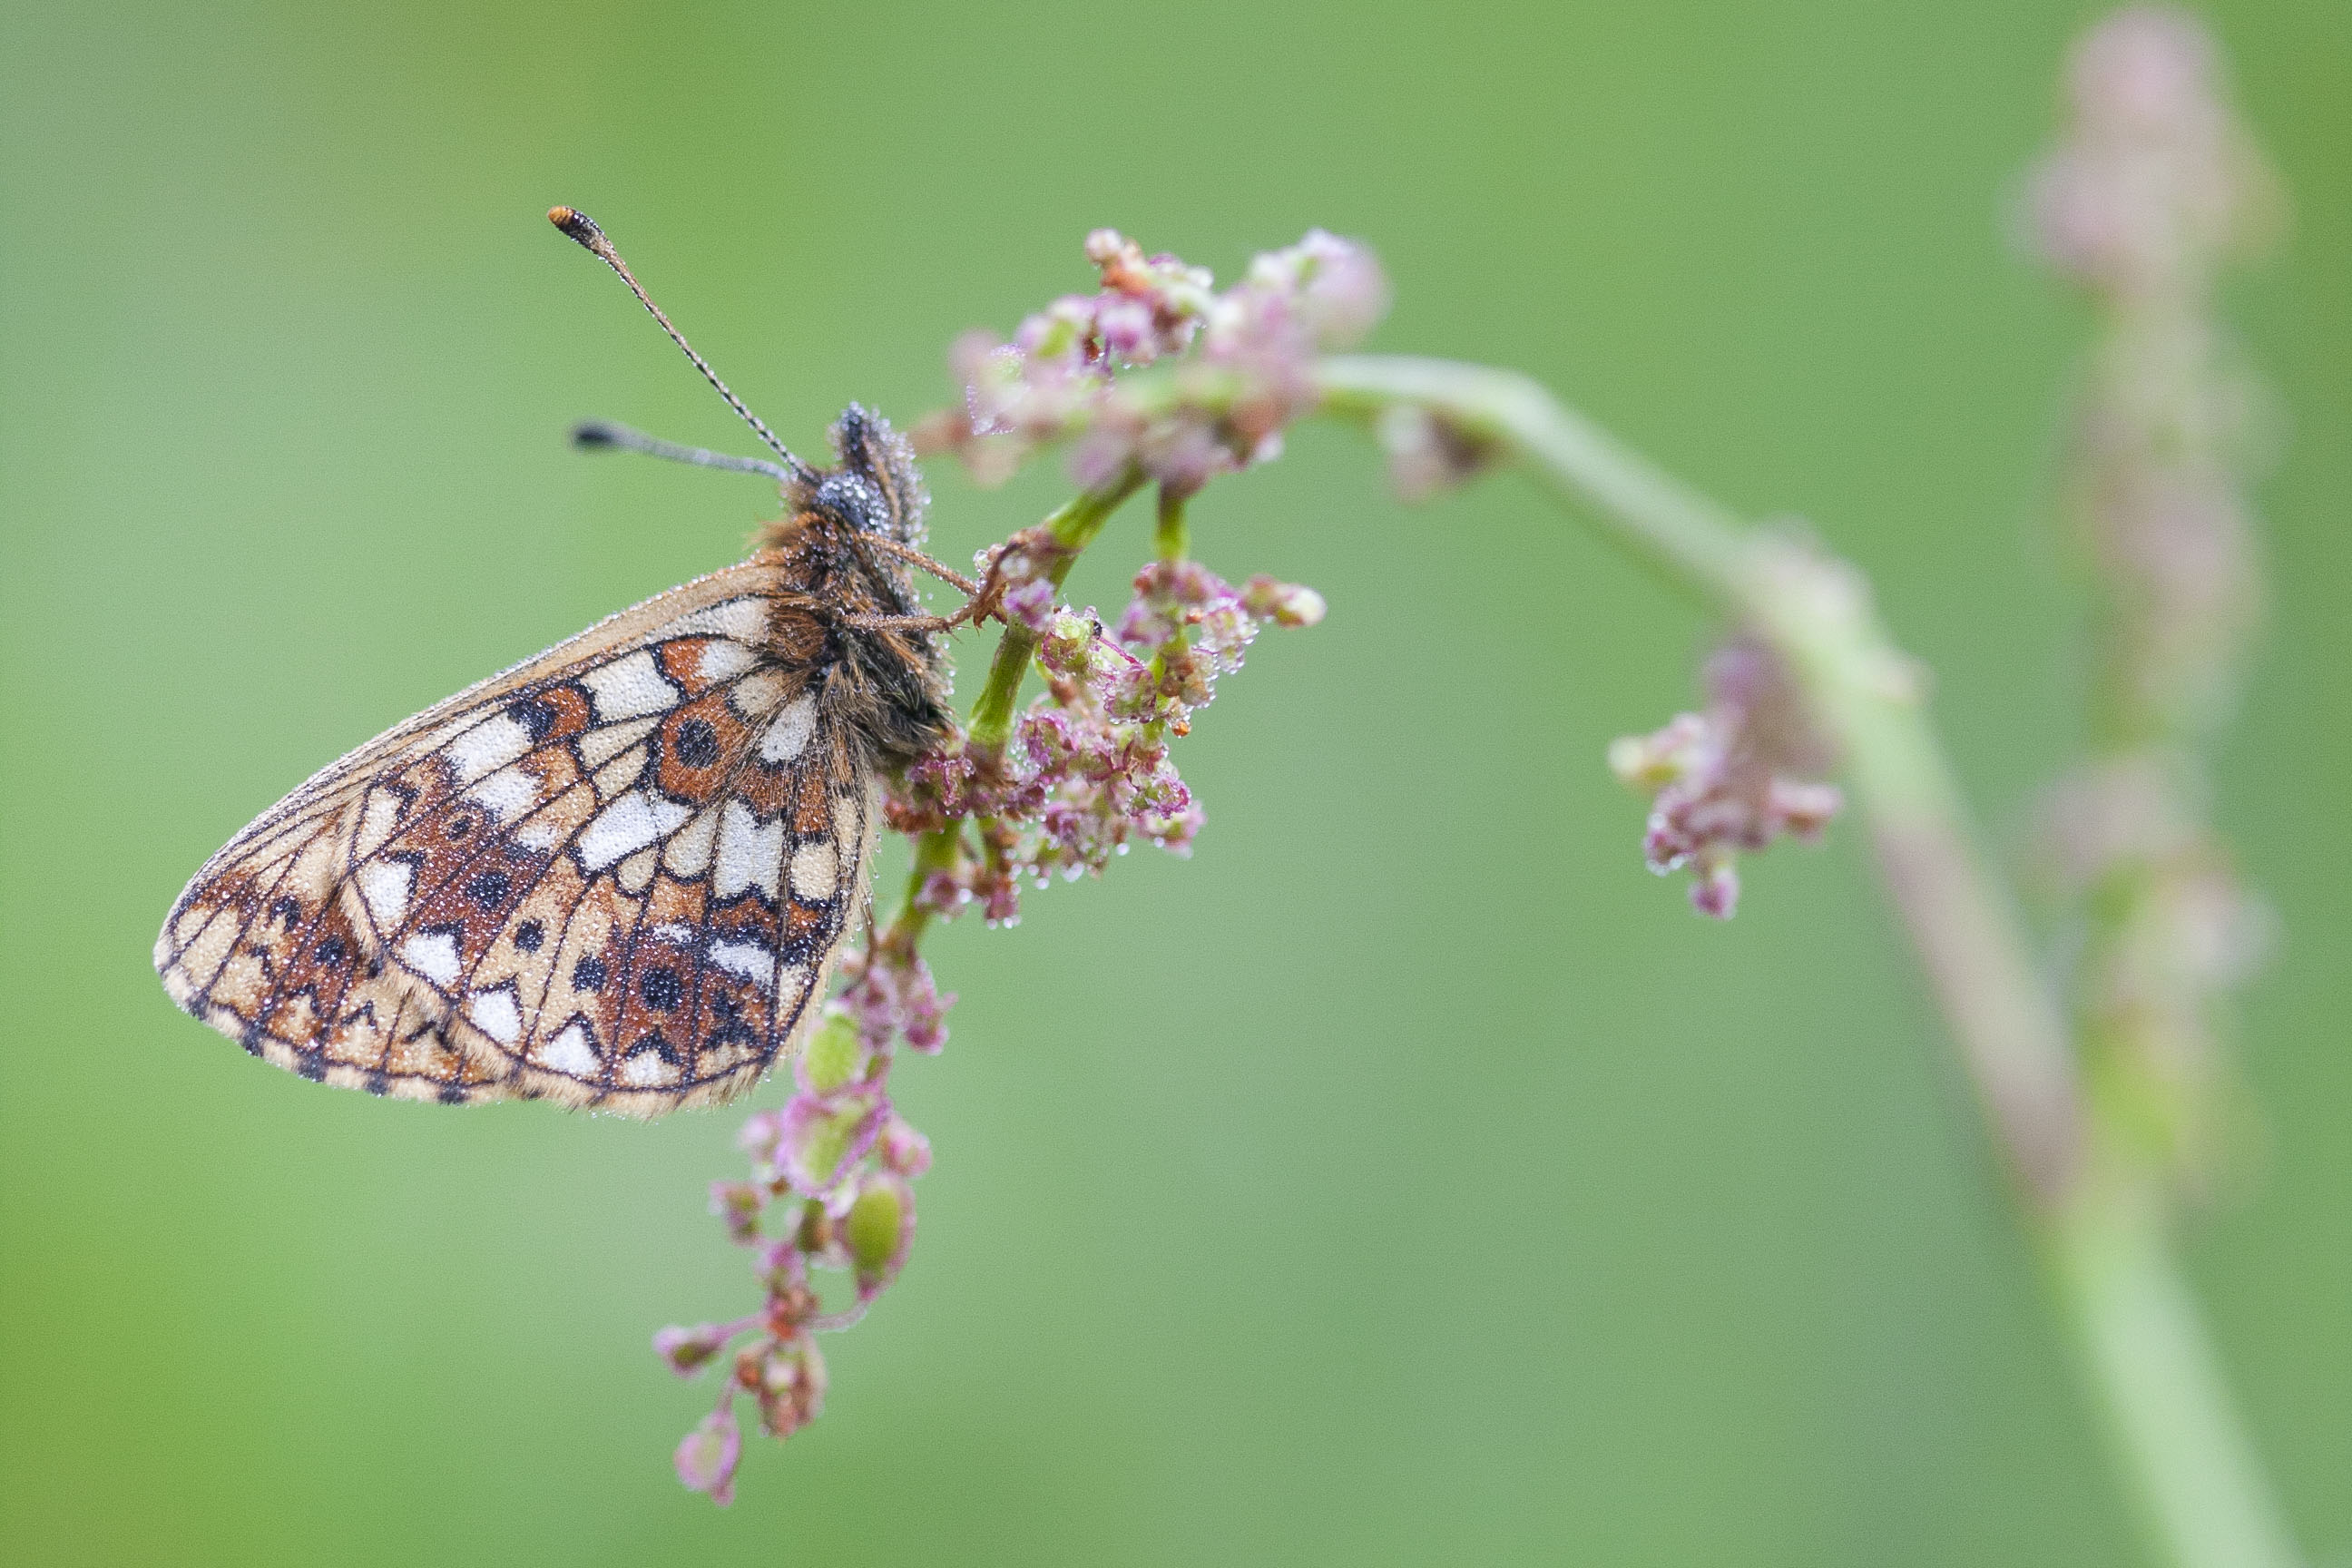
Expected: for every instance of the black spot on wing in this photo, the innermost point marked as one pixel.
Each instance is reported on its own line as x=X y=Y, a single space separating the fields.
x=696 y=743
x=661 y=989
x=537 y=715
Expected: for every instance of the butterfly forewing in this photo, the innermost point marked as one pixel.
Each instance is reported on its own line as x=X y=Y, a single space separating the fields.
x=614 y=875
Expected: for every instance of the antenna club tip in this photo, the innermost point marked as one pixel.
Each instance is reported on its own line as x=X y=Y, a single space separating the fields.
x=576 y=225
x=593 y=435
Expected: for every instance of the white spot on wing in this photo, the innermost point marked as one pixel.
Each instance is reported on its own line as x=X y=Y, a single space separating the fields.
x=689 y=854
x=495 y=1014
x=488 y=747
x=435 y=957
x=814 y=871
x=570 y=1052
x=788 y=737
x=722 y=658
x=630 y=688
x=749 y=854
x=601 y=745
x=790 y=982
x=756 y=695
x=747 y=960
x=377 y=819
x=620 y=772
x=507 y=793
x=636 y=874
x=625 y=826
x=645 y=1069
x=385 y=887
x=746 y=619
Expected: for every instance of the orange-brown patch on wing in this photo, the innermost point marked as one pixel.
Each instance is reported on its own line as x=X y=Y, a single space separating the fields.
x=700 y=743
x=674 y=903
x=697 y=664
x=314 y=979
x=809 y=931
x=765 y=787
x=812 y=805
x=476 y=903
x=440 y=833
x=732 y=1027
x=652 y=1026
x=554 y=714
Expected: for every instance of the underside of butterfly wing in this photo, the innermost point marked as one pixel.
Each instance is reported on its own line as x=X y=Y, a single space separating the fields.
x=614 y=876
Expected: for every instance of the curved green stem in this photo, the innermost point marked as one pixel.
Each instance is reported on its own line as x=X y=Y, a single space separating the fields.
x=2146 y=1352
x=1073 y=528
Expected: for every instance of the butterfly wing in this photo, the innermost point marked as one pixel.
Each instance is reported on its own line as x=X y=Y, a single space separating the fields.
x=613 y=876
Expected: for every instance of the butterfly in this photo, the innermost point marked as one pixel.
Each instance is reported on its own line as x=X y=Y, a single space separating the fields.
x=616 y=875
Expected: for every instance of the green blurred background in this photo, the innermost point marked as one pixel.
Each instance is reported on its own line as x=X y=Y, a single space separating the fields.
x=1407 y=1178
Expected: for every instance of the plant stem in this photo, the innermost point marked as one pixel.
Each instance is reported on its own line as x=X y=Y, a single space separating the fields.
x=934 y=851
x=1170 y=538
x=1073 y=528
x=2145 y=1350
x=2162 y=1391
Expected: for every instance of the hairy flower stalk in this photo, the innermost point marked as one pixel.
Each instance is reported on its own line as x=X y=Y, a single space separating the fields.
x=2151 y=190
x=1023 y=794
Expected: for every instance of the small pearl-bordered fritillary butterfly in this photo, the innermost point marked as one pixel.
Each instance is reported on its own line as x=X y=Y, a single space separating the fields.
x=616 y=875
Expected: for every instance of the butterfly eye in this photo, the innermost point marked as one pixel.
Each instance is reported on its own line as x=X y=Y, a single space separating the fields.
x=851 y=499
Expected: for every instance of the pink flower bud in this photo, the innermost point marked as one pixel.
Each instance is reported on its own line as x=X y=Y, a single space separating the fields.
x=903 y=1150
x=1284 y=604
x=789 y=1378
x=688 y=1351
x=707 y=1456
x=739 y=1204
x=824 y=1137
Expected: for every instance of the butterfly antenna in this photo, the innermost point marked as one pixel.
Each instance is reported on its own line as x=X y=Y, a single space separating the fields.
x=597 y=433
x=580 y=227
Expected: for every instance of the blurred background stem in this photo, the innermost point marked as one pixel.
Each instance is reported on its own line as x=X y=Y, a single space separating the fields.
x=2100 y=1230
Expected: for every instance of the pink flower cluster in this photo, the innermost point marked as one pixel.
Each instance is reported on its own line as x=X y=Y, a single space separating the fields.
x=2156 y=180
x=1245 y=357
x=1721 y=782
x=831 y=1187
x=1086 y=770
x=1080 y=773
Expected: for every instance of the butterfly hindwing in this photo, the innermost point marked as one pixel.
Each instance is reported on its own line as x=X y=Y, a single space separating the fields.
x=613 y=876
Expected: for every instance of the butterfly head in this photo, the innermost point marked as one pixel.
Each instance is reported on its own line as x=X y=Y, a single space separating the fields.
x=876 y=488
